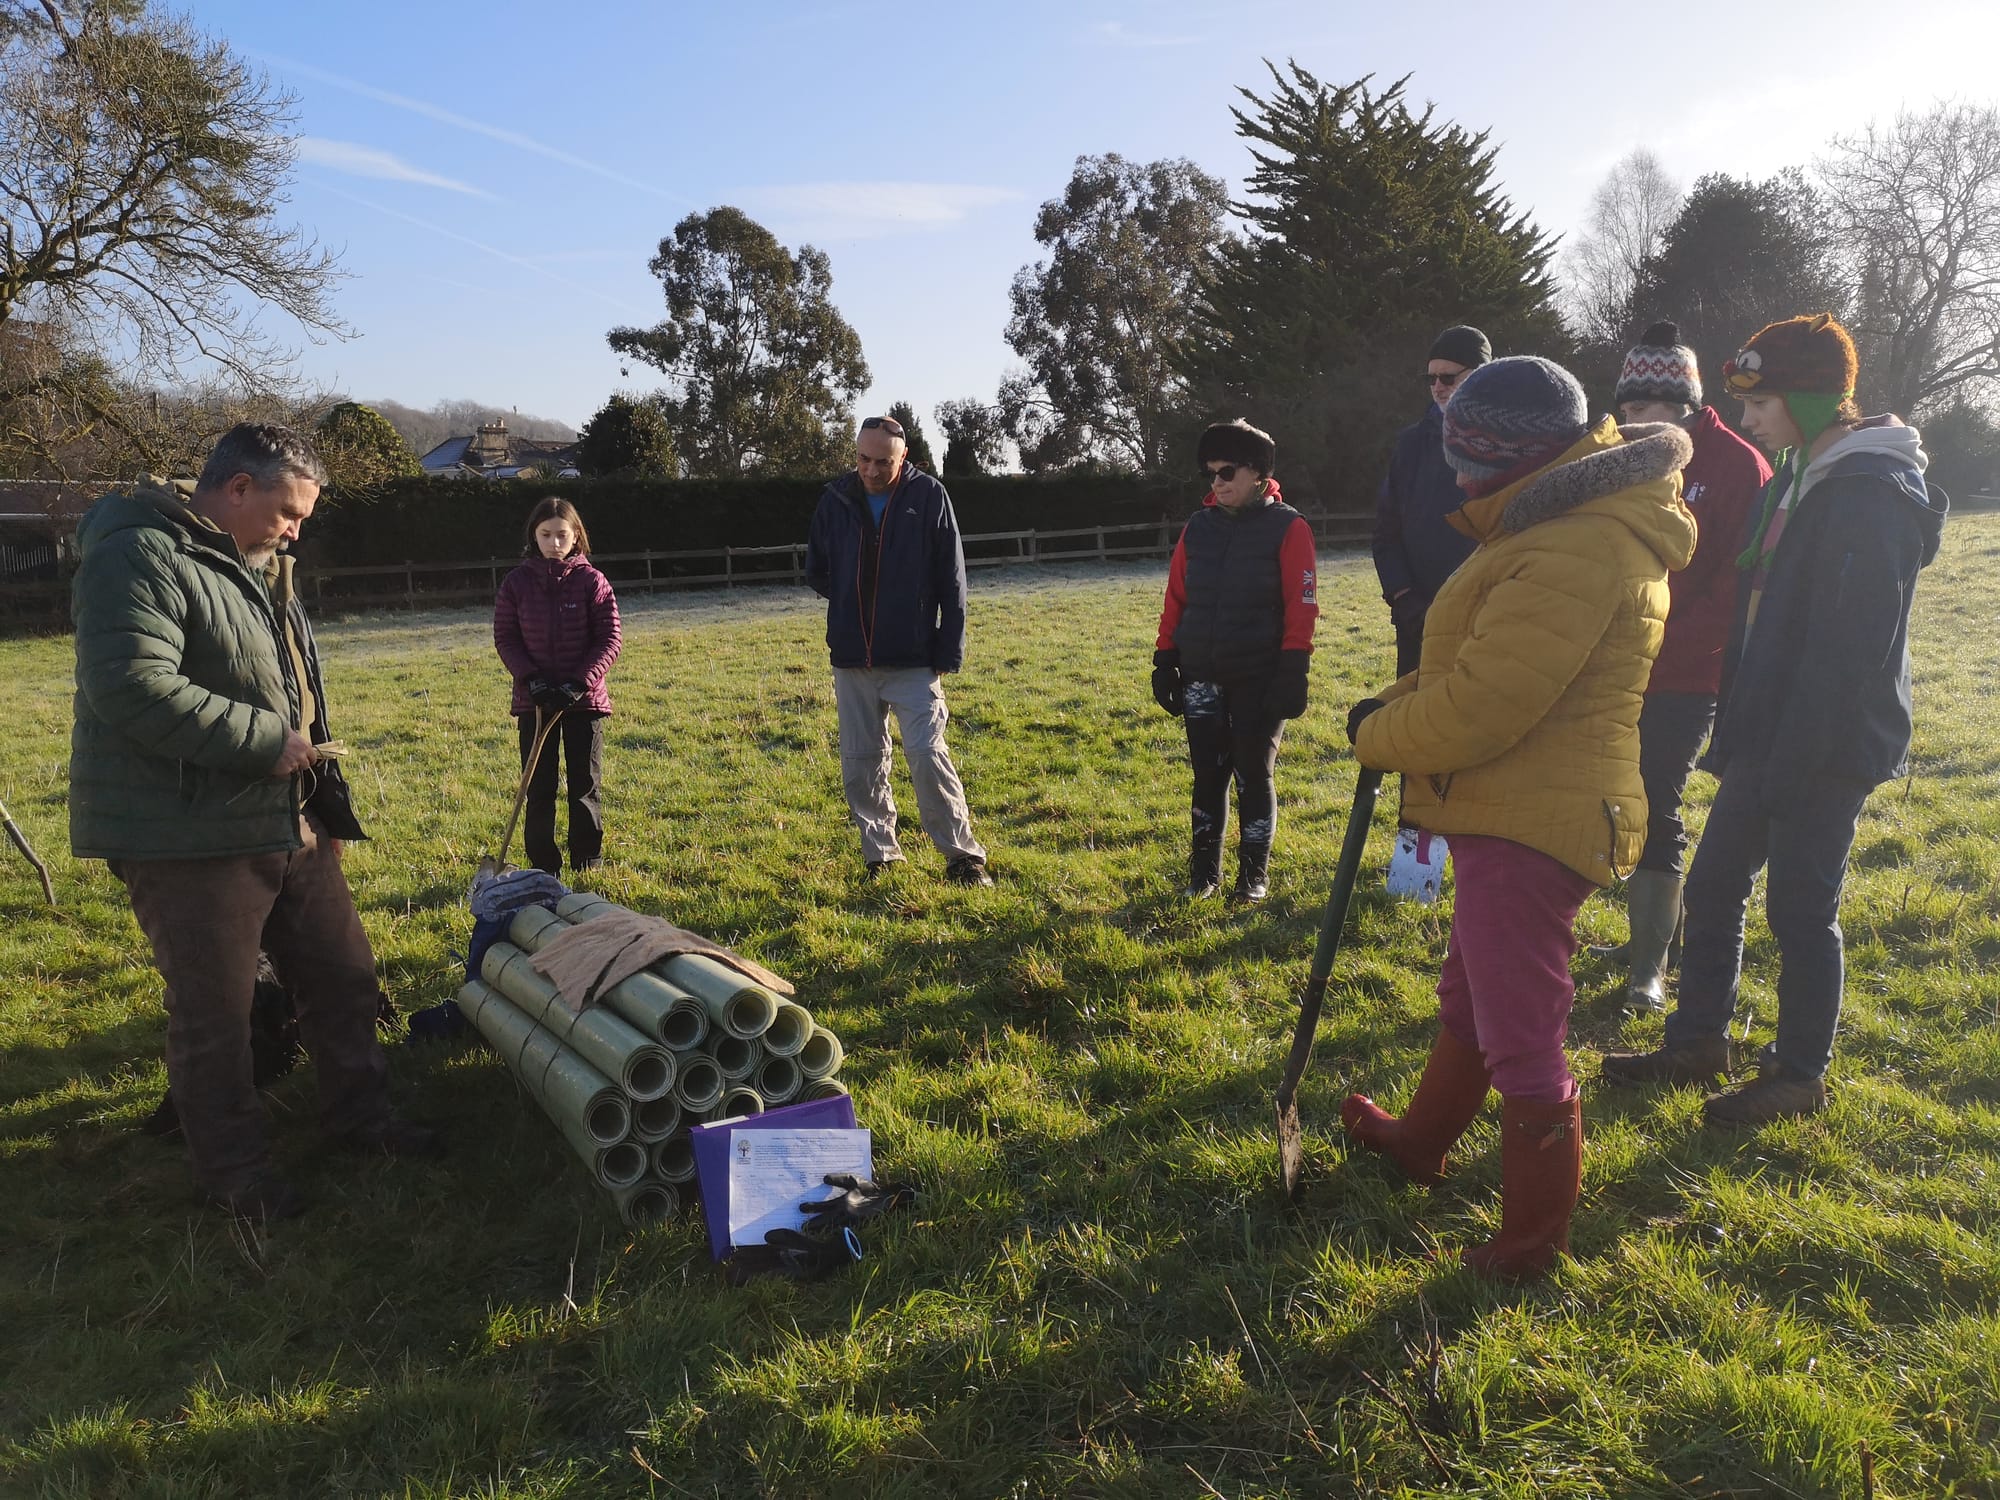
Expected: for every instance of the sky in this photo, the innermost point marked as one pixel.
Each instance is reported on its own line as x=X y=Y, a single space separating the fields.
x=496 y=176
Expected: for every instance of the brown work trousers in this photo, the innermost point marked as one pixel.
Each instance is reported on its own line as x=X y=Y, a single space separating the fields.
x=206 y=920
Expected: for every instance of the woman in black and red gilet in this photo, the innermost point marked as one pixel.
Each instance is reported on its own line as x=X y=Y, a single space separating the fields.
x=1235 y=641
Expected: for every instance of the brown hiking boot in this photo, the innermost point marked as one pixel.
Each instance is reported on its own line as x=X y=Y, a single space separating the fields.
x=1769 y=1096
x=1693 y=1062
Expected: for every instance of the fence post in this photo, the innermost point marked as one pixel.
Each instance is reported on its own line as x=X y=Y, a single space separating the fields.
x=649 y=567
x=410 y=583
x=729 y=567
x=1166 y=542
x=1100 y=544
x=1034 y=547
x=798 y=562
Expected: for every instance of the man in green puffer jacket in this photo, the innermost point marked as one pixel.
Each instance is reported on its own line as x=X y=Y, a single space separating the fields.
x=193 y=774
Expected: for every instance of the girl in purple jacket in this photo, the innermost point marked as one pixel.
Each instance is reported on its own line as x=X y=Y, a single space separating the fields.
x=555 y=625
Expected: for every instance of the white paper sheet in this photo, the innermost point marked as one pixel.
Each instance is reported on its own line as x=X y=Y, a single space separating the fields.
x=771 y=1172
x=1416 y=869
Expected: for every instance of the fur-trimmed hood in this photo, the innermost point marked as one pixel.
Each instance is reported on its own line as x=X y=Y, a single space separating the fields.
x=1632 y=473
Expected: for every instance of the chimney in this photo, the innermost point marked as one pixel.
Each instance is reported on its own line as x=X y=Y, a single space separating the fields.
x=489 y=445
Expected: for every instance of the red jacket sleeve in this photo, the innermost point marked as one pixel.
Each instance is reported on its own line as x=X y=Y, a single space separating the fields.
x=1170 y=612
x=1298 y=576
x=507 y=638
x=605 y=636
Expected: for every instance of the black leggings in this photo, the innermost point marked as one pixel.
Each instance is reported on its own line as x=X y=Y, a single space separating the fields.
x=581 y=738
x=1672 y=729
x=1231 y=738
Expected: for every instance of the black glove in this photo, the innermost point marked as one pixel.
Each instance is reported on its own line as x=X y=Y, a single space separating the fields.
x=546 y=695
x=573 y=692
x=859 y=1201
x=1167 y=682
x=1359 y=712
x=807 y=1257
x=1285 y=694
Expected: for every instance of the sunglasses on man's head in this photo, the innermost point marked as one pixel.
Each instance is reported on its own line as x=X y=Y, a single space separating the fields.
x=888 y=424
x=1447 y=381
x=1224 y=472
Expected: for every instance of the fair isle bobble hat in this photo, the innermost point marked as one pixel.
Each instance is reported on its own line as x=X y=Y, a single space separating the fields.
x=1659 y=368
x=1507 y=418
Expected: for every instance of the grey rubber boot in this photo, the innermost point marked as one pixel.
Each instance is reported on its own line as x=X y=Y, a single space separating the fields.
x=1653 y=902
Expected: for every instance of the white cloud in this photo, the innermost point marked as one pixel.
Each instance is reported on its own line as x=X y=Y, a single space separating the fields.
x=870 y=210
x=355 y=160
x=460 y=122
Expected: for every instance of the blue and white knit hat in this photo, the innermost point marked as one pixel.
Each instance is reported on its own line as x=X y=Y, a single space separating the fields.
x=1505 y=416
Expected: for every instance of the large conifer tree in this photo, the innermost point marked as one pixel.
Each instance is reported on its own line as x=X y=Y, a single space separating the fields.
x=1371 y=227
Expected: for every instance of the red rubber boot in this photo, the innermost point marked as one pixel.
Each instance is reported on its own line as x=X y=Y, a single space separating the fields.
x=1448 y=1096
x=1541 y=1173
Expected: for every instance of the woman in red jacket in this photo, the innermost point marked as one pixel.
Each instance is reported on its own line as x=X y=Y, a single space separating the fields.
x=555 y=626
x=1660 y=382
x=1233 y=649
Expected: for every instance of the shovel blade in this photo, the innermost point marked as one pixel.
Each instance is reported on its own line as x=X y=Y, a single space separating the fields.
x=1291 y=1148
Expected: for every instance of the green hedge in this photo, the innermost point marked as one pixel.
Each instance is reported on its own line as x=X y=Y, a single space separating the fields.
x=456 y=520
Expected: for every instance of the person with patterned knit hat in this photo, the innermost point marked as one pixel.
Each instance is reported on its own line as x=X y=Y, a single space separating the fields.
x=1518 y=737
x=1416 y=547
x=1814 y=712
x=1234 y=645
x=1661 y=382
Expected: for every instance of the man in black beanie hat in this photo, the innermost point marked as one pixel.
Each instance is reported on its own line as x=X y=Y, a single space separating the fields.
x=1416 y=547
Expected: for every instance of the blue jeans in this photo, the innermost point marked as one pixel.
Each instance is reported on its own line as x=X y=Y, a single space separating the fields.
x=1807 y=852
x=1672 y=727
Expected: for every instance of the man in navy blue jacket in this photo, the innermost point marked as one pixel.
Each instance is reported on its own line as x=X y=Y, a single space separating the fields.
x=1416 y=547
x=885 y=555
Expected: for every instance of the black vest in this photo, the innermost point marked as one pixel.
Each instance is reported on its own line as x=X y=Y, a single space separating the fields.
x=1234 y=621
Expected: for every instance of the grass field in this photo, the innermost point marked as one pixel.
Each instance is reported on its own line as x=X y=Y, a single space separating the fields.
x=1100 y=1292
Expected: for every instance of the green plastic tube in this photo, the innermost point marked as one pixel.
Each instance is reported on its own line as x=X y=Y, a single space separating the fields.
x=734 y=1003
x=777 y=1079
x=822 y=1055
x=736 y=1057
x=644 y=1069
x=563 y=1084
x=673 y=1158
x=700 y=1085
x=647 y=1202
x=662 y=1011
x=737 y=1005
x=655 y=1119
x=741 y=1100
x=788 y=1030
x=822 y=1088
x=618 y=1165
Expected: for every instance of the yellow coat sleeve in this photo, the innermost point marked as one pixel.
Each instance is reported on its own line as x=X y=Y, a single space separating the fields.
x=1524 y=645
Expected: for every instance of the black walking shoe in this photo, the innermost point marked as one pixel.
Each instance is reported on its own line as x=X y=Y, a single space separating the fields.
x=967 y=869
x=1251 y=888
x=394 y=1136
x=1253 y=872
x=1696 y=1062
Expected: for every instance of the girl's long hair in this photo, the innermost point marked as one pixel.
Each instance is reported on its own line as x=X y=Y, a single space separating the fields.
x=553 y=508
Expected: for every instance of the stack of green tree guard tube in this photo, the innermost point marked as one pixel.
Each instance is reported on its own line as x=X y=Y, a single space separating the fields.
x=685 y=1041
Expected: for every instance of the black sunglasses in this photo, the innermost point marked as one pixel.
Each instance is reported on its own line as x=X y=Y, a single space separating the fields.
x=888 y=424
x=1447 y=381
x=1224 y=472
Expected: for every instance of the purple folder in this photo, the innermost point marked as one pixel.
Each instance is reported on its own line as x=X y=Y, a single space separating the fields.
x=711 y=1154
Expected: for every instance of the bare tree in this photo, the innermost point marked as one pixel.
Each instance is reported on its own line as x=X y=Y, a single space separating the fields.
x=1916 y=207
x=1629 y=213
x=142 y=168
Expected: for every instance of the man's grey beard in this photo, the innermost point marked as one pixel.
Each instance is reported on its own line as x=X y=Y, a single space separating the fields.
x=260 y=557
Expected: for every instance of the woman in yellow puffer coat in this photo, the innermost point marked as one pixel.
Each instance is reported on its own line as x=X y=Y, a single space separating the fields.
x=1518 y=736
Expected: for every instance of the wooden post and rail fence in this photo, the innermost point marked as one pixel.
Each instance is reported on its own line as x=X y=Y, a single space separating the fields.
x=415 y=585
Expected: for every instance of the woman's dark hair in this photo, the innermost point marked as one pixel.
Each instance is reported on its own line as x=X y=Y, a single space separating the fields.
x=1237 y=442
x=552 y=508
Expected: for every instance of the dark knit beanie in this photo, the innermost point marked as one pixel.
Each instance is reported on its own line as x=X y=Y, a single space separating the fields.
x=1807 y=355
x=1462 y=345
x=1659 y=368
x=1237 y=442
x=1505 y=416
